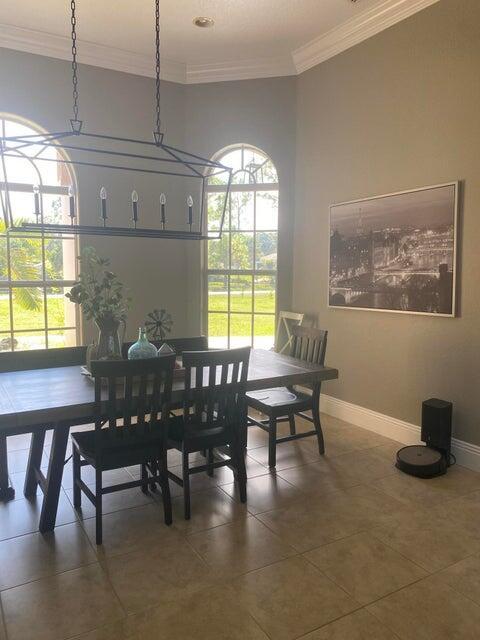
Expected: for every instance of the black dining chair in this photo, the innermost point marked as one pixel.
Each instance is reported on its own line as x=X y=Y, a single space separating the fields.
x=213 y=411
x=282 y=404
x=131 y=420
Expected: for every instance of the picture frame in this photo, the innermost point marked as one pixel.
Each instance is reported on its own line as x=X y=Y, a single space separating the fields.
x=396 y=252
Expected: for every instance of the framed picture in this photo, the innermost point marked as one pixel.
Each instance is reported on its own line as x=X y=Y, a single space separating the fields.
x=396 y=252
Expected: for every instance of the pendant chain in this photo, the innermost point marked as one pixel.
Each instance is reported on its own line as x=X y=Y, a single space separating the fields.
x=157 y=64
x=74 y=61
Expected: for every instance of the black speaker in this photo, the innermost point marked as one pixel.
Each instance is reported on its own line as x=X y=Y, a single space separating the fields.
x=437 y=425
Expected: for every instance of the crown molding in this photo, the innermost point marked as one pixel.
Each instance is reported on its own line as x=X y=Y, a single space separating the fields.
x=356 y=30
x=241 y=70
x=363 y=26
x=54 y=46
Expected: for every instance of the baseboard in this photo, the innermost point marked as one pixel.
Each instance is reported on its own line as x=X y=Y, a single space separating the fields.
x=468 y=455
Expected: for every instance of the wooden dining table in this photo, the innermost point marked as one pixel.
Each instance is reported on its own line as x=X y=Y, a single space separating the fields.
x=61 y=397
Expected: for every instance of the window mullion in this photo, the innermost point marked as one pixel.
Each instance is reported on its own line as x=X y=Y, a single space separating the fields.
x=254 y=262
x=229 y=267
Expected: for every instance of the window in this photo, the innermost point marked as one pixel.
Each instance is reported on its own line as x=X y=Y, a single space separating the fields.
x=35 y=271
x=241 y=274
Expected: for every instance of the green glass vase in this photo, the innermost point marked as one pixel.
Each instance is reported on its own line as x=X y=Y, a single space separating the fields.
x=142 y=348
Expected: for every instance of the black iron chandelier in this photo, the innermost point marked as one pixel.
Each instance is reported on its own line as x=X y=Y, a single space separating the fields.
x=79 y=148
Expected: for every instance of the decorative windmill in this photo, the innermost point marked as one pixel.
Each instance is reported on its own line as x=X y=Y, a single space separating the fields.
x=159 y=322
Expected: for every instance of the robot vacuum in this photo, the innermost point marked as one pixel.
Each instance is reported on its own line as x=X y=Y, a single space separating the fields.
x=421 y=461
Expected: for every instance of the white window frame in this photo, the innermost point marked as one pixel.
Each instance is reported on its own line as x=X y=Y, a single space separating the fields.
x=43 y=283
x=254 y=272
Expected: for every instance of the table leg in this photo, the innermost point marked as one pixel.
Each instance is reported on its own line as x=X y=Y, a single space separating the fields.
x=7 y=492
x=34 y=462
x=54 y=478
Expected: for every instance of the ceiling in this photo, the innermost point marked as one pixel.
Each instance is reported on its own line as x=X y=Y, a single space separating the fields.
x=251 y=38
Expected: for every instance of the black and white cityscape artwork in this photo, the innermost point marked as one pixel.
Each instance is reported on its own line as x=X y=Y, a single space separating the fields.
x=395 y=252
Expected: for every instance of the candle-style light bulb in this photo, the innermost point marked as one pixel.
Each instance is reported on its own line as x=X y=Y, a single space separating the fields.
x=190 y=211
x=163 y=202
x=103 y=200
x=135 y=207
x=71 y=200
x=36 y=199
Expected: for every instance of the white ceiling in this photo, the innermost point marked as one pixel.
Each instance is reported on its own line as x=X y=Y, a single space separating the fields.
x=251 y=38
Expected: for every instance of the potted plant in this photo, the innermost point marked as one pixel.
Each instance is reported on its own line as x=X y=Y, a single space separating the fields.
x=100 y=294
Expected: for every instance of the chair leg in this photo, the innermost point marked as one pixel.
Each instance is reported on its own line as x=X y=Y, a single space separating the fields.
x=186 y=484
x=291 y=420
x=155 y=470
x=77 y=492
x=6 y=491
x=241 y=472
x=210 y=470
x=144 y=477
x=98 y=506
x=272 y=442
x=165 y=486
x=318 y=429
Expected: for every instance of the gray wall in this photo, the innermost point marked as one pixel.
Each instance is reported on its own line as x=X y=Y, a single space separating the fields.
x=202 y=119
x=257 y=112
x=399 y=111
x=38 y=88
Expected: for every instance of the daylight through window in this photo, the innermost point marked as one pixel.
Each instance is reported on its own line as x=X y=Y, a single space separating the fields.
x=241 y=277
x=35 y=272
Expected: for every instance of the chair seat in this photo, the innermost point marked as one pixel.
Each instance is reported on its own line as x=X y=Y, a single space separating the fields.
x=202 y=437
x=122 y=449
x=279 y=401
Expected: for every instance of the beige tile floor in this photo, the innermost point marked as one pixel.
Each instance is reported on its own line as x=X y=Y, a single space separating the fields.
x=341 y=547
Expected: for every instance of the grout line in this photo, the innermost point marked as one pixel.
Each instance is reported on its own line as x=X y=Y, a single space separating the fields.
x=372 y=613
x=112 y=587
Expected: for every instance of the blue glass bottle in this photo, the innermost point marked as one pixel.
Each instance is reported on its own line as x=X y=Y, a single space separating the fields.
x=142 y=348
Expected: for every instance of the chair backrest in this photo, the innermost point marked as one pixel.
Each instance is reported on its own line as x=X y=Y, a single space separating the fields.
x=283 y=337
x=215 y=387
x=179 y=345
x=136 y=391
x=309 y=344
x=42 y=359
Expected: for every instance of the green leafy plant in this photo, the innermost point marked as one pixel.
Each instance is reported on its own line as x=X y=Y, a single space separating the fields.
x=98 y=291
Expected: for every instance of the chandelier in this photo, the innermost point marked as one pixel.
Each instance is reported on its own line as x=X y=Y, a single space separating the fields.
x=187 y=174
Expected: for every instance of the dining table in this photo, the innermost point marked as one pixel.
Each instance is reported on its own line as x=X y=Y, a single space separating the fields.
x=60 y=397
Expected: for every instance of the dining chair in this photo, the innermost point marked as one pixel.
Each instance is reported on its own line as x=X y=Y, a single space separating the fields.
x=283 y=404
x=24 y=361
x=283 y=335
x=131 y=420
x=213 y=411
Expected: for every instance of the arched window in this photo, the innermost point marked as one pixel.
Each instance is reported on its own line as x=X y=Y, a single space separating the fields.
x=35 y=271
x=241 y=274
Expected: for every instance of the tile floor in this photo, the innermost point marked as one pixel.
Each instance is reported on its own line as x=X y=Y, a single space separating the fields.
x=343 y=547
